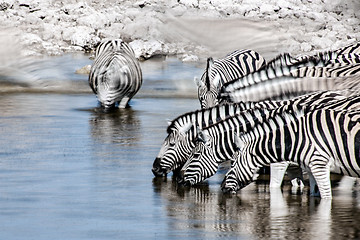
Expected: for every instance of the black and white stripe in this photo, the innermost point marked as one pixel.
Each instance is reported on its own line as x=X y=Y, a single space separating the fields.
x=216 y=143
x=182 y=131
x=115 y=76
x=344 y=77
x=320 y=141
x=235 y=65
x=287 y=76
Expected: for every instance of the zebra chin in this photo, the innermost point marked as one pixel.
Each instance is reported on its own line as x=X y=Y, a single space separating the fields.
x=159 y=171
x=229 y=187
x=186 y=182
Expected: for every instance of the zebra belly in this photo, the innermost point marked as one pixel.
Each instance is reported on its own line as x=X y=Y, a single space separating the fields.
x=345 y=153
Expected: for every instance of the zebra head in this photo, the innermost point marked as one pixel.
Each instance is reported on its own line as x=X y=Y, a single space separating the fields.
x=242 y=172
x=202 y=163
x=208 y=86
x=175 y=149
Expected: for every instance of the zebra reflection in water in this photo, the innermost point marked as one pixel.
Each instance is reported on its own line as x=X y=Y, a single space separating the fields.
x=119 y=127
x=203 y=211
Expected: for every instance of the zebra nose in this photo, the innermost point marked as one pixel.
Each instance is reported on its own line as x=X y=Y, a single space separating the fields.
x=157 y=170
x=180 y=176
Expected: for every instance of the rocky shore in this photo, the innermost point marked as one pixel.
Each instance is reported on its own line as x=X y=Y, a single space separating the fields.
x=189 y=29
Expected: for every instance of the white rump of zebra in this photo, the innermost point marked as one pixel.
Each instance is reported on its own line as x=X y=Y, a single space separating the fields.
x=115 y=76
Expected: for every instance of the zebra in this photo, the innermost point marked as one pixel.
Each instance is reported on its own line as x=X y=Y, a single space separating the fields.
x=353 y=48
x=115 y=76
x=273 y=70
x=182 y=131
x=349 y=54
x=235 y=65
x=256 y=86
x=320 y=141
x=319 y=79
x=215 y=144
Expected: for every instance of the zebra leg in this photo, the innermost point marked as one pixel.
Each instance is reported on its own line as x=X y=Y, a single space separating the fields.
x=277 y=172
x=124 y=102
x=320 y=169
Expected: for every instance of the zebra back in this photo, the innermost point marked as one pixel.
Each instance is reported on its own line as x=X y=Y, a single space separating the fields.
x=114 y=45
x=289 y=86
x=351 y=48
x=115 y=75
x=271 y=71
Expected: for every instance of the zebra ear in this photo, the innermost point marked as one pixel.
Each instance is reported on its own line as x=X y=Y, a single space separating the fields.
x=210 y=63
x=168 y=122
x=185 y=128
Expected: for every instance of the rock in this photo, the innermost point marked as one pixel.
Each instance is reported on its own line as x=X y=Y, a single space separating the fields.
x=84 y=70
x=148 y=49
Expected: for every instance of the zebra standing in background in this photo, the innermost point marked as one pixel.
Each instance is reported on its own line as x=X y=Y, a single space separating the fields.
x=115 y=76
x=235 y=65
x=320 y=141
x=216 y=143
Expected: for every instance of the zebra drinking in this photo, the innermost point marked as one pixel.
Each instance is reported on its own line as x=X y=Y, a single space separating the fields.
x=216 y=143
x=235 y=65
x=182 y=131
x=115 y=76
x=320 y=141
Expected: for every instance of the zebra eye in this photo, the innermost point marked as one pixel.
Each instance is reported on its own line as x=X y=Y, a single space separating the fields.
x=172 y=143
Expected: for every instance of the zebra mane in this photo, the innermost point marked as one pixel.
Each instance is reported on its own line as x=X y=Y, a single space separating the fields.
x=351 y=48
x=188 y=117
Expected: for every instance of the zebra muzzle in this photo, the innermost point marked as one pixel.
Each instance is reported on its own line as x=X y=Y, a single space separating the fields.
x=157 y=170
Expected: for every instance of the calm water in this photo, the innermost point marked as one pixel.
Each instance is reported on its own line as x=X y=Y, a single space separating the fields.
x=69 y=171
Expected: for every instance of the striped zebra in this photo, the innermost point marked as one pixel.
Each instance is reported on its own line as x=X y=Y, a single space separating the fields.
x=216 y=143
x=267 y=83
x=115 y=76
x=349 y=54
x=272 y=71
x=344 y=77
x=182 y=131
x=235 y=65
x=179 y=142
x=320 y=141
x=353 y=48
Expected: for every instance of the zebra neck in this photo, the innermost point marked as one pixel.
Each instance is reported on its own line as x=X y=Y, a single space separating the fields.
x=272 y=142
